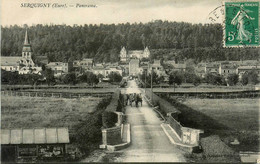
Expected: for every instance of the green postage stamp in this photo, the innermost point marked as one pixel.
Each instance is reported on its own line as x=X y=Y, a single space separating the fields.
x=241 y=24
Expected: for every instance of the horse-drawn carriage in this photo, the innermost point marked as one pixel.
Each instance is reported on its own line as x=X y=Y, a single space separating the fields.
x=132 y=95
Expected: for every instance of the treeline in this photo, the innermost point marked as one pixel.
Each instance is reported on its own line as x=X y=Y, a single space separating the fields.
x=47 y=77
x=176 y=40
x=189 y=76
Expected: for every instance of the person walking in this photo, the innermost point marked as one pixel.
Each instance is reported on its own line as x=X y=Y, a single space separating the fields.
x=131 y=99
x=136 y=99
x=127 y=99
x=140 y=99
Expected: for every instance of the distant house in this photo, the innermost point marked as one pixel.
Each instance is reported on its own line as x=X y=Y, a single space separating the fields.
x=23 y=64
x=226 y=69
x=125 y=68
x=85 y=64
x=245 y=69
x=133 y=54
x=179 y=67
x=59 y=68
x=212 y=68
x=30 y=70
x=157 y=68
x=144 y=67
x=10 y=63
x=105 y=71
x=28 y=145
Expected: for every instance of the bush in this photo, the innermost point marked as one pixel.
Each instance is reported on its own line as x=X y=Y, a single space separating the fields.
x=116 y=105
x=87 y=133
x=109 y=119
x=216 y=150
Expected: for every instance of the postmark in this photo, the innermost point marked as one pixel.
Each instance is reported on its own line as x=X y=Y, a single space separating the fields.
x=241 y=24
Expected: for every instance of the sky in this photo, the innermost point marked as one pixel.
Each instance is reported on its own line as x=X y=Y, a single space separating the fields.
x=107 y=11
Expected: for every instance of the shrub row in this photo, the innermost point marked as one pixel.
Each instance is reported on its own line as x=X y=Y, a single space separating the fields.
x=109 y=117
x=86 y=135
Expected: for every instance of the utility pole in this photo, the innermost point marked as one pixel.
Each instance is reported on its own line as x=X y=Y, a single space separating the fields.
x=145 y=79
x=152 y=85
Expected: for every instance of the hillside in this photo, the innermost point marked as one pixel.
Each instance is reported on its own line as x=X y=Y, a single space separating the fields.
x=102 y=42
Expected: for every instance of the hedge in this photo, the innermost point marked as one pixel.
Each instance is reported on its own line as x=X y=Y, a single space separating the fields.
x=109 y=117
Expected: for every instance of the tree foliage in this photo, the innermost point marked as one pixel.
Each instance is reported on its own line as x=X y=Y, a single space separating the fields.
x=49 y=74
x=215 y=79
x=69 y=78
x=175 y=77
x=232 y=79
x=174 y=40
x=115 y=77
x=250 y=77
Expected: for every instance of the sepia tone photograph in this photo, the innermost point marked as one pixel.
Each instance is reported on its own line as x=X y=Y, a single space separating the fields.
x=109 y=81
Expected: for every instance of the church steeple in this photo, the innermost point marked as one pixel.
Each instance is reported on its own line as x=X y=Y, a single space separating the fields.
x=27 y=48
x=26 y=40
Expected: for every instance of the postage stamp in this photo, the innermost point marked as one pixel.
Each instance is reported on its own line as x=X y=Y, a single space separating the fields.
x=241 y=24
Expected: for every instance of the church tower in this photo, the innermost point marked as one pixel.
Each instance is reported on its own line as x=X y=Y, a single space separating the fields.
x=27 y=52
x=146 y=53
x=27 y=48
x=123 y=54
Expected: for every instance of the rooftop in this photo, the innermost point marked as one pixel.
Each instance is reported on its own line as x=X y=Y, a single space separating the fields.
x=35 y=136
x=10 y=60
x=55 y=64
x=249 y=67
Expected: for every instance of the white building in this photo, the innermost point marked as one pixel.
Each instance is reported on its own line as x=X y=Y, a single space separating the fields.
x=105 y=71
x=134 y=67
x=59 y=68
x=23 y=64
x=134 y=54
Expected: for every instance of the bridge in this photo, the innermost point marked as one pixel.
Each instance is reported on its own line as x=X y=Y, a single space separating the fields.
x=149 y=142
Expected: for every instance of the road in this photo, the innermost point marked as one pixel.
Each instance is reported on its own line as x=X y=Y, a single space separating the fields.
x=148 y=140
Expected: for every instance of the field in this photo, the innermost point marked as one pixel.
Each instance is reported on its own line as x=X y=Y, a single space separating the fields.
x=82 y=117
x=28 y=112
x=229 y=118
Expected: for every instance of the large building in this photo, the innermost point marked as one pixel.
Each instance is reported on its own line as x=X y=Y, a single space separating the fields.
x=134 y=54
x=123 y=55
x=226 y=69
x=105 y=71
x=59 y=68
x=85 y=64
x=134 y=65
x=157 y=68
x=23 y=64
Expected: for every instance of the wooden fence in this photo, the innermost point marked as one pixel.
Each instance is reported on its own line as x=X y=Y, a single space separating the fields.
x=54 y=94
x=26 y=87
x=212 y=95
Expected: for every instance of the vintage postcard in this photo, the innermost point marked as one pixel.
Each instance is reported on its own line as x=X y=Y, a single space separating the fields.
x=130 y=81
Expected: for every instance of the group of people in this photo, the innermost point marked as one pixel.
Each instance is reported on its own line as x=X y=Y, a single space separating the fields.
x=134 y=97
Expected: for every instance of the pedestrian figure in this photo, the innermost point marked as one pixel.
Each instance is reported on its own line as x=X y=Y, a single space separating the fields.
x=131 y=99
x=136 y=99
x=140 y=99
x=127 y=98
